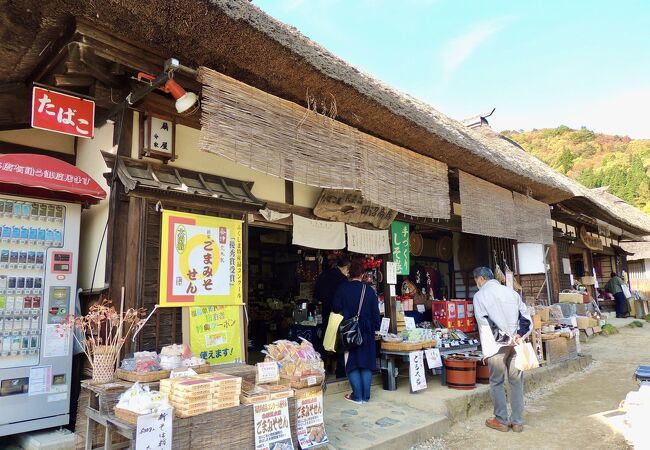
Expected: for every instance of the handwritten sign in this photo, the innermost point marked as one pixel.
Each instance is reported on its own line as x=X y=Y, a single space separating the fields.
x=421 y=309
x=391 y=272
x=62 y=113
x=154 y=431
x=385 y=325
x=401 y=247
x=272 y=426
x=350 y=207
x=368 y=242
x=409 y=322
x=416 y=371
x=267 y=372
x=310 y=426
x=433 y=358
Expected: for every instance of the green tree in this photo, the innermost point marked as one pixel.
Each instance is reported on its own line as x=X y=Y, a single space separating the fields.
x=566 y=160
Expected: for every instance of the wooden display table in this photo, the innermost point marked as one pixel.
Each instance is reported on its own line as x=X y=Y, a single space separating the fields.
x=388 y=357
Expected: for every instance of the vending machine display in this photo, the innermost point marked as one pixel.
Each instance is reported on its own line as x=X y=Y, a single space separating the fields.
x=39 y=242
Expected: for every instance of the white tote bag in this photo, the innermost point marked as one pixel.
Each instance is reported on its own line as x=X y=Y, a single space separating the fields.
x=526 y=358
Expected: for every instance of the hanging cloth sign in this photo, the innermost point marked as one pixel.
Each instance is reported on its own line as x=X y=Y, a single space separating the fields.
x=216 y=333
x=318 y=234
x=368 y=242
x=200 y=260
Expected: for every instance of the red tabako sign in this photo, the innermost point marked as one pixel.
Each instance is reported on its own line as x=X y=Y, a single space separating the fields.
x=62 y=113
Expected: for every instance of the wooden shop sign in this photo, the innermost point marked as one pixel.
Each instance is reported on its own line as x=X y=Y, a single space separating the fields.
x=591 y=242
x=350 y=207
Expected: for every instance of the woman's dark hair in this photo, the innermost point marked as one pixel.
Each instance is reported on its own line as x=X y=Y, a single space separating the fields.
x=342 y=262
x=613 y=274
x=356 y=268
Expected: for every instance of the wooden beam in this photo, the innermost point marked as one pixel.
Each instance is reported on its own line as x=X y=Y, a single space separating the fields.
x=96 y=68
x=65 y=81
x=53 y=54
x=288 y=192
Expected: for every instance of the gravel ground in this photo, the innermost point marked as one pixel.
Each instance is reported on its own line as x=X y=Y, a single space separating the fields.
x=569 y=412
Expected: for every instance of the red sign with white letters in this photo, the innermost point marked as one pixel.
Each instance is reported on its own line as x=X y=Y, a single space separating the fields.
x=62 y=113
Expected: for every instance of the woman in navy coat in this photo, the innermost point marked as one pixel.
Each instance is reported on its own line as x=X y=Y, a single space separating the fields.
x=361 y=361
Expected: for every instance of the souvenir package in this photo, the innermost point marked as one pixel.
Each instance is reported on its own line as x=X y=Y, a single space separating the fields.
x=295 y=360
x=141 y=400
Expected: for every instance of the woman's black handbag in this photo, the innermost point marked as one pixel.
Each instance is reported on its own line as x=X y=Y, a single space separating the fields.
x=349 y=336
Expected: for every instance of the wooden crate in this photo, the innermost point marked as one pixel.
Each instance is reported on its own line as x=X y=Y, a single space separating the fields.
x=555 y=350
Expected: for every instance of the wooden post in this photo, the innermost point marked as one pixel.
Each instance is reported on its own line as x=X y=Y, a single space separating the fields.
x=243 y=316
x=555 y=272
x=118 y=212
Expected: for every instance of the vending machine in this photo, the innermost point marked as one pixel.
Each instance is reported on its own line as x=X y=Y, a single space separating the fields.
x=39 y=248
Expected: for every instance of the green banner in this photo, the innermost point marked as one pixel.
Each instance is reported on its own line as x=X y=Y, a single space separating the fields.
x=401 y=247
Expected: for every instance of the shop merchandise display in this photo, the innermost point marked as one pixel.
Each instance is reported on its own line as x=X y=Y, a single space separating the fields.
x=202 y=393
x=139 y=400
x=299 y=364
x=149 y=366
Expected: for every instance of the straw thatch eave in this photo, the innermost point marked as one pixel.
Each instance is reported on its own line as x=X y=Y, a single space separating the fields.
x=238 y=39
x=638 y=250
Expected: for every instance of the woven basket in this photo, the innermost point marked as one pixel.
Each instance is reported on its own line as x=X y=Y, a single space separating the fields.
x=401 y=346
x=127 y=416
x=103 y=364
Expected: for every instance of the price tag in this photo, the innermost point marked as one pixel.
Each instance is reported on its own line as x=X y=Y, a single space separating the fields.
x=433 y=358
x=385 y=325
x=420 y=309
x=267 y=372
x=311 y=381
x=391 y=272
x=391 y=287
x=182 y=373
x=409 y=322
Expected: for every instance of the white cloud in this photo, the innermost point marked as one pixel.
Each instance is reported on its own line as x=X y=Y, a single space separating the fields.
x=461 y=47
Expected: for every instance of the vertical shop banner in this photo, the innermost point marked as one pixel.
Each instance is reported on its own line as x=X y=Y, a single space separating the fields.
x=417 y=372
x=215 y=333
x=272 y=426
x=401 y=247
x=310 y=425
x=200 y=260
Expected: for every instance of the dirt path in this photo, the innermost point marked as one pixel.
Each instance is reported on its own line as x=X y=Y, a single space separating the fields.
x=568 y=413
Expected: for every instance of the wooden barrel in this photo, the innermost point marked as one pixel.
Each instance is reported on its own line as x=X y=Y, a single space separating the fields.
x=461 y=373
x=482 y=373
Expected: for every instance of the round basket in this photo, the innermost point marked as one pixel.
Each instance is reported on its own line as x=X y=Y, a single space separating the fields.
x=103 y=364
x=416 y=244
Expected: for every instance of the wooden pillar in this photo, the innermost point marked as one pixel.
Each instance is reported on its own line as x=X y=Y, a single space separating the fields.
x=554 y=262
x=245 y=272
x=118 y=215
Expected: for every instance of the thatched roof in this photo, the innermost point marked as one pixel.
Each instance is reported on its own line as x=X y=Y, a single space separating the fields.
x=639 y=250
x=597 y=203
x=239 y=40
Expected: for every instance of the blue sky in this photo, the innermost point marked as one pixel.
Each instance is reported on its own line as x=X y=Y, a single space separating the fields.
x=539 y=63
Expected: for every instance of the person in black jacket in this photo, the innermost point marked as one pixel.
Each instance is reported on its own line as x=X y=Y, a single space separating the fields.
x=326 y=285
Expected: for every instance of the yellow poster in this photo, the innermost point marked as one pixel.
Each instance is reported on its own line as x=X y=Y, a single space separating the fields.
x=200 y=260
x=215 y=333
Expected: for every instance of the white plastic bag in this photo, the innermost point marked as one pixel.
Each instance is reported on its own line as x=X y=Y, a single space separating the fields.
x=526 y=358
